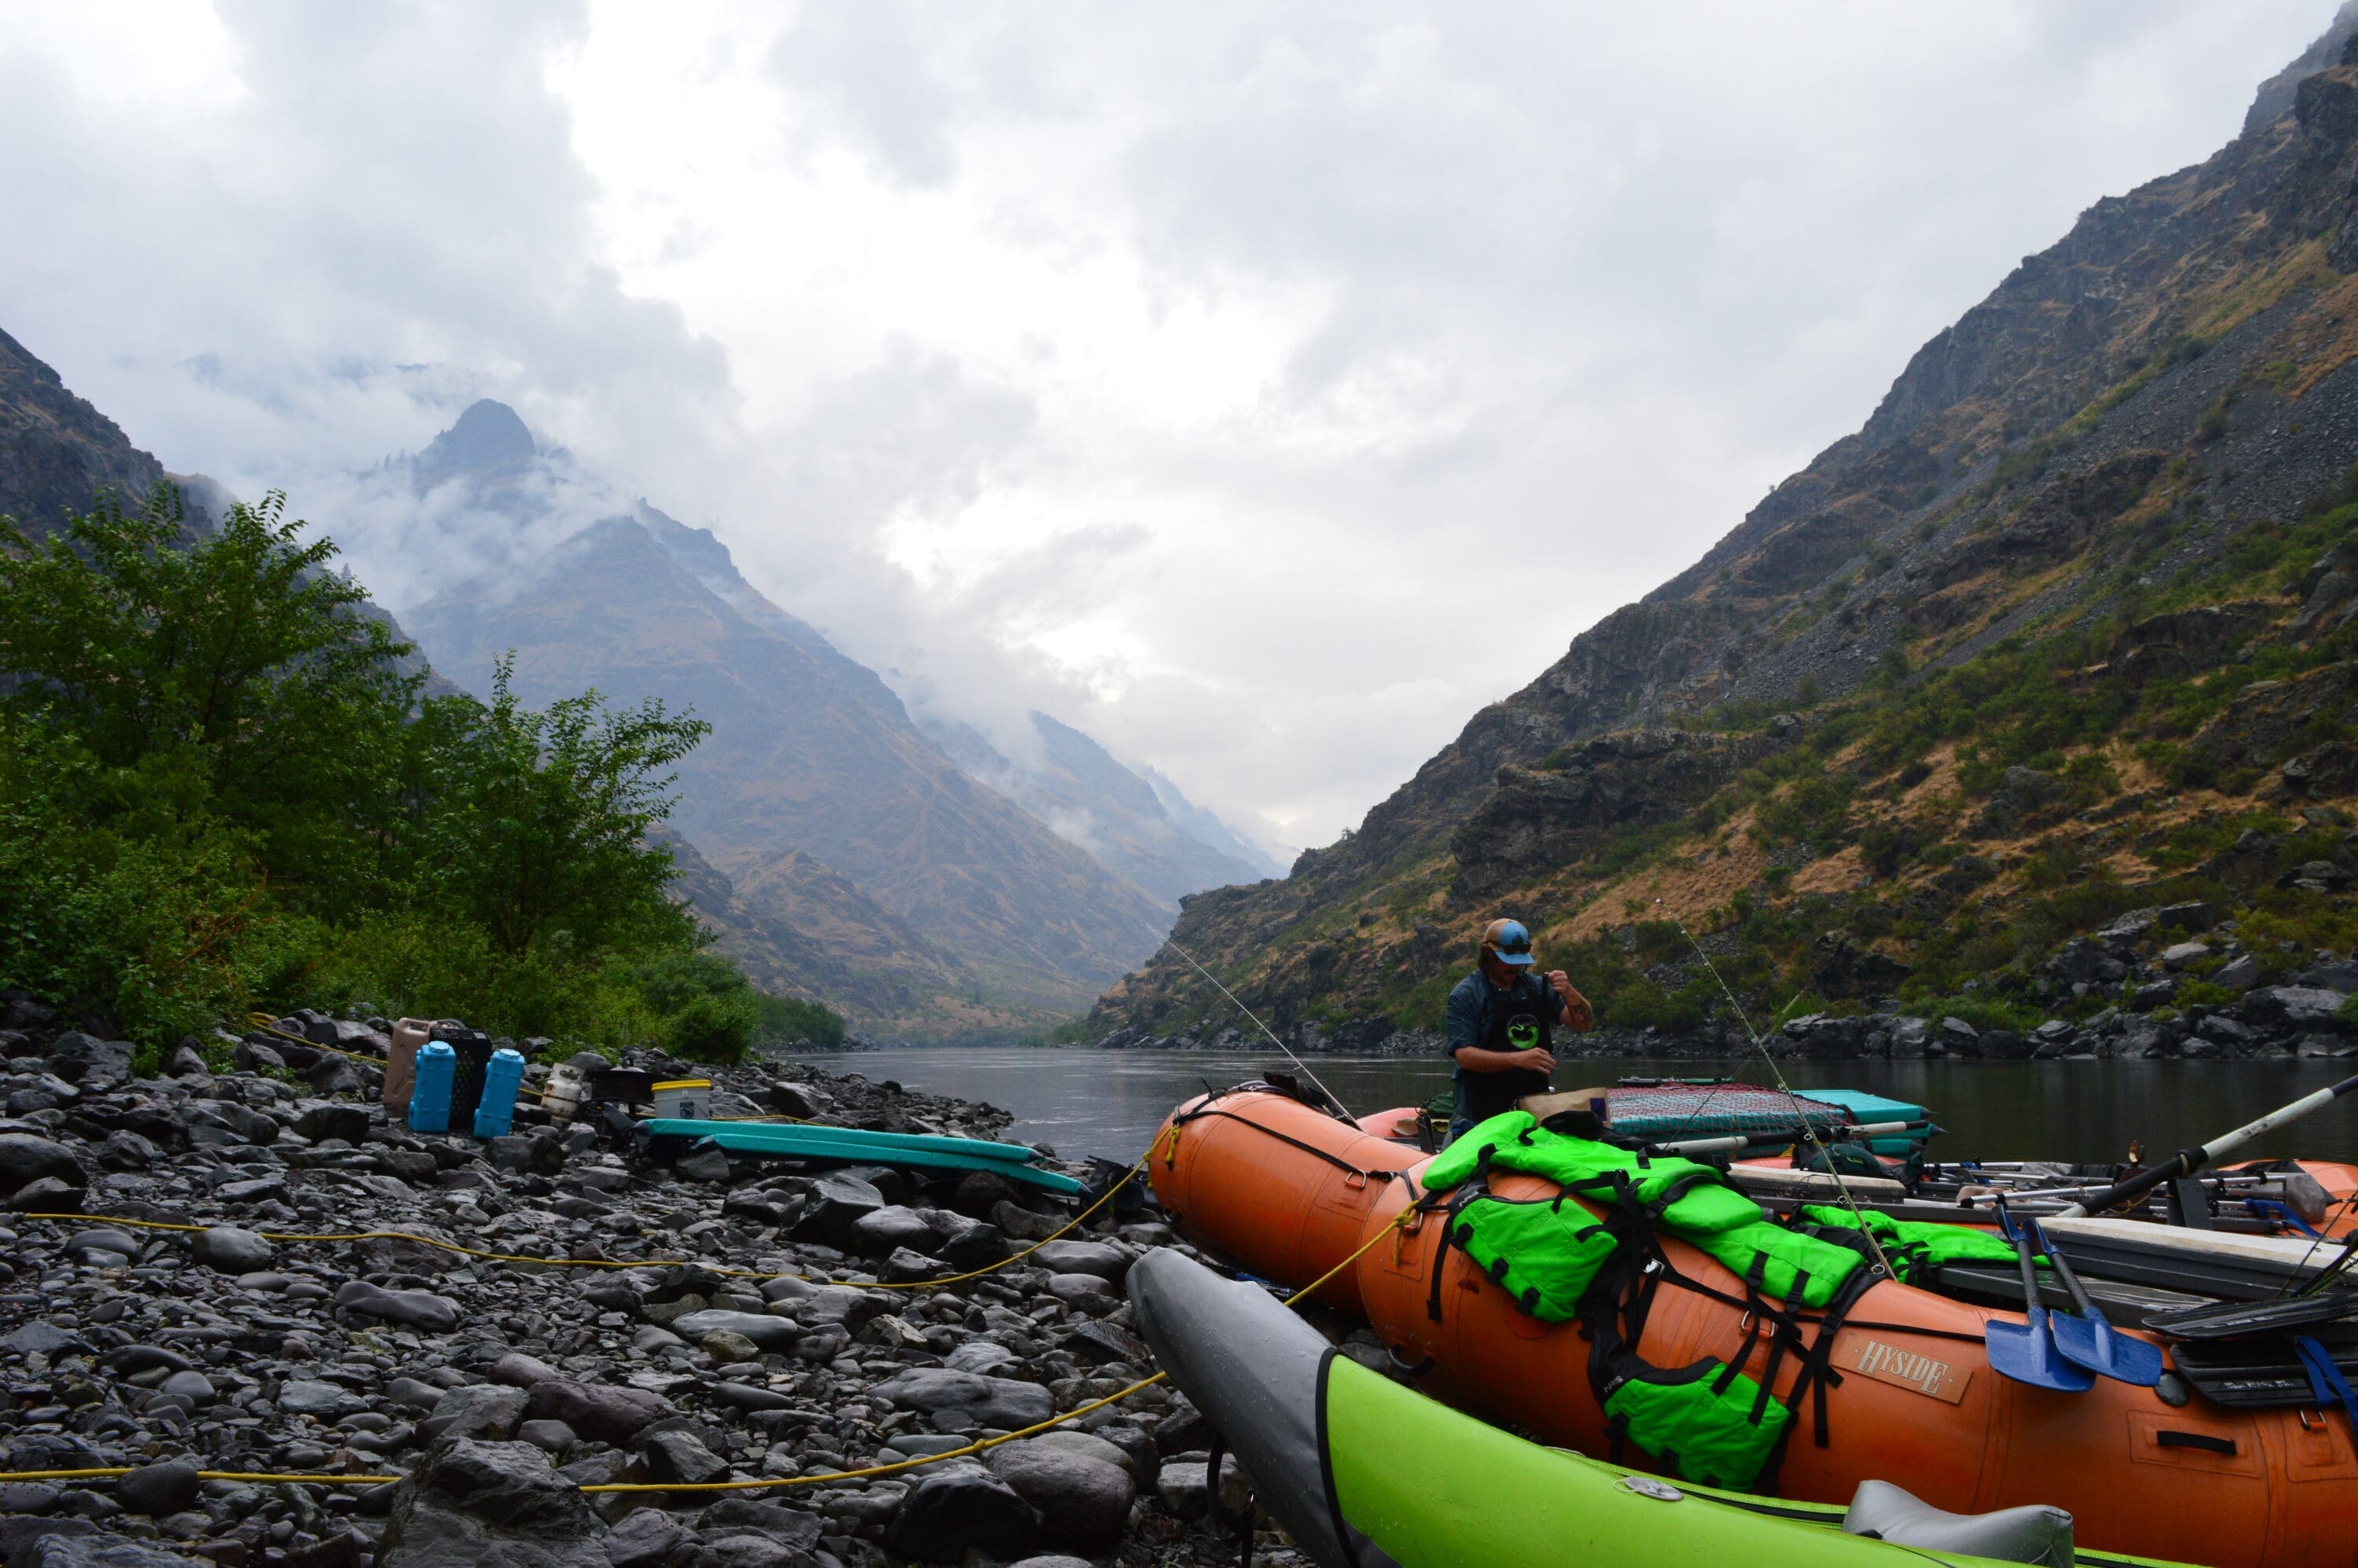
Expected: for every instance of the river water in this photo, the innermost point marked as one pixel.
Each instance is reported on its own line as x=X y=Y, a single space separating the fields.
x=1084 y=1102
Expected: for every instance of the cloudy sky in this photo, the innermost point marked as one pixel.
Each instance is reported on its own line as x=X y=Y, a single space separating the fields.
x=1261 y=387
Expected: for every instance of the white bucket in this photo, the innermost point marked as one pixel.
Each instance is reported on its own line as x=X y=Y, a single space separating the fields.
x=688 y=1097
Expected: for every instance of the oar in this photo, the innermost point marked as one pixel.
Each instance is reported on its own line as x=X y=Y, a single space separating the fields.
x=2025 y=1351
x=2089 y=1340
x=2186 y=1162
x=1736 y=1140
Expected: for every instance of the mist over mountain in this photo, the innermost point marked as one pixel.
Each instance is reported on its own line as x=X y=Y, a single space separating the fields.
x=841 y=850
x=1075 y=787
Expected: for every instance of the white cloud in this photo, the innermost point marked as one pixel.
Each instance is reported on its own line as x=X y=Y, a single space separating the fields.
x=1263 y=389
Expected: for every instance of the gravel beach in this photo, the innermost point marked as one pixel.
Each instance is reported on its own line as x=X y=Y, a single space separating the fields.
x=638 y=1344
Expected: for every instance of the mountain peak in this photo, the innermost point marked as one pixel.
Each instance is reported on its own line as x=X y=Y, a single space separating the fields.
x=489 y=435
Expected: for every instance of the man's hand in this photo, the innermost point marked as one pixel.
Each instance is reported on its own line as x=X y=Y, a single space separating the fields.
x=1477 y=1059
x=1577 y=1013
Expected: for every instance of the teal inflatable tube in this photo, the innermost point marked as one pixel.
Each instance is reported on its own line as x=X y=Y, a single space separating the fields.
x=856 y=1146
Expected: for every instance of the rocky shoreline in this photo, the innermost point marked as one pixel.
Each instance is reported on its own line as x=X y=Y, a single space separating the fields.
x=2116 y=994
x=497 y=1391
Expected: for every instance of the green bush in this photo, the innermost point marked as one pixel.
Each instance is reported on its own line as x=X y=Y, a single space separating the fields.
x=792 y=1020
x=1984 y=1010
x=2194 y=992
x=218 y=792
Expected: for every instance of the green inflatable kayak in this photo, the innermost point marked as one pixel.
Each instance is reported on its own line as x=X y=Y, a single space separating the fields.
x=1364 y=1473
x=855 y=1146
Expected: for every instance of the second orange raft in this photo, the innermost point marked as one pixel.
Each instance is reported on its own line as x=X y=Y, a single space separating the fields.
x=1288 y=1193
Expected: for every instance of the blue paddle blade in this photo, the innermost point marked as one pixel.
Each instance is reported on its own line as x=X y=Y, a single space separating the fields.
x=2026 y=1352
x=2092 y=1343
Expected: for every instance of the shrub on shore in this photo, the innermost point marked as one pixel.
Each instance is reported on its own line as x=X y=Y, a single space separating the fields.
x=221 y=787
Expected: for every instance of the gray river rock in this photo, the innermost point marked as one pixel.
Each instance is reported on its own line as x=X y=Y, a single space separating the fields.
x=637 y=1342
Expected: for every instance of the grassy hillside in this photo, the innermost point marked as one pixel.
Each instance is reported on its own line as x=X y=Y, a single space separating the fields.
x=2062 y=631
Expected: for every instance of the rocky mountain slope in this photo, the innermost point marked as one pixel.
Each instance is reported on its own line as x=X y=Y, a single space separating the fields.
x=1077 y=787
x=59 y=454
x=2060 y=634
x=56 y=452
x=927 y=901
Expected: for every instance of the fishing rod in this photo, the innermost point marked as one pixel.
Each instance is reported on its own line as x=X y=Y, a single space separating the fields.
x=1825 y=1157
x=1332 y=1099
x=2186 y=1162
x=1736 y=1141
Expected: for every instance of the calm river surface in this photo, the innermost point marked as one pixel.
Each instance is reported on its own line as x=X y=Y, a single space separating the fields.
x=1109 y=1102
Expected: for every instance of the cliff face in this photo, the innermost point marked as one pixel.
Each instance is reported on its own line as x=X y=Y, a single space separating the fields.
x=861 y=864
x=58 y=455
x=2171 y=375
x=56 y=452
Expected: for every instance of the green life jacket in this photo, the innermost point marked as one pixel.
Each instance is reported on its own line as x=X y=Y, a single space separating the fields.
x=1693 y=1197
x=1694 y=1201
x=1543 y=1252
x=1709 y=1422
x=1783 y=1263
x=1916 y=1247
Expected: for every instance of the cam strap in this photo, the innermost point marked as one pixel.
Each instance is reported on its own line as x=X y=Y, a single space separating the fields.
x=2325 y=1379
x=1334 y=1159
x=1450 y=1203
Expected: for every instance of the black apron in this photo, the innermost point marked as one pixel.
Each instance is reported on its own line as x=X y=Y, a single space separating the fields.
x=1516 y=1021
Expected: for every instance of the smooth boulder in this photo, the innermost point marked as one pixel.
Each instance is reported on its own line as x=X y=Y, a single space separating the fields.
x=414 y=1309
x=599 y=1412
x=777 y=1334
x=957 y=1401
x=1084 y=1499
x=952 y=1510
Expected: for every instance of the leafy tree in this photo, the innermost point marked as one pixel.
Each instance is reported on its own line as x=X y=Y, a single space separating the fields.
x=232 y=677
x=536 y=822
x=219 y=789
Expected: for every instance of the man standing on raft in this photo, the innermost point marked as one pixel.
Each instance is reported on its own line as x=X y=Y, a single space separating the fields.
x=1501 y=1020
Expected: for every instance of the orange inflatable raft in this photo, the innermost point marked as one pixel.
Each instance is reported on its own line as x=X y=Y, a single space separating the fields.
x=1286 y=1192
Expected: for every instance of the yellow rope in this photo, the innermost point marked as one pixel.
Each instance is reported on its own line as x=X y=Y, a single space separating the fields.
x=977 y=1447
x=979 y=1444
x=102 y=1471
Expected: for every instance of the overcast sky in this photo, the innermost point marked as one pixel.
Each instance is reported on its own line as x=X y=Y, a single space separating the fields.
x=1259 y=387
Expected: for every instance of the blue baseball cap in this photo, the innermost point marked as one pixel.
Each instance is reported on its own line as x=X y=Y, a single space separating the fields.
x=1507 y=941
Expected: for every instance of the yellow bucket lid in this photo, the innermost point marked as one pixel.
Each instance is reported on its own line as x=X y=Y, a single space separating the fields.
x=684 y=1083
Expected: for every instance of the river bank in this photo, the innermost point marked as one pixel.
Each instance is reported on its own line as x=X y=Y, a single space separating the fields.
x=638 y=1326
x=1109 y=1103
x=2299 y=1021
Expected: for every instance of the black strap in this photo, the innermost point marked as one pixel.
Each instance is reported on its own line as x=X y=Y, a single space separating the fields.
x=1451 y=1204
x=1243 y=1523
x=1334 y=1159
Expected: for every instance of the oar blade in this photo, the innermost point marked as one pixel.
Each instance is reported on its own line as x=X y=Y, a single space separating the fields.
x=2026 y=1353
x=2093 y=1344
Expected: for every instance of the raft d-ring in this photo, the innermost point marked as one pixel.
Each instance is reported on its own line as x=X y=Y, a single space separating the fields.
x=1646 y=1487
x=2304 y=1420
x=1743 y=1323
x=1355 y=1180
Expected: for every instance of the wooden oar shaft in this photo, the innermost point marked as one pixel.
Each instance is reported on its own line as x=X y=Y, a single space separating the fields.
x=2186 y=1162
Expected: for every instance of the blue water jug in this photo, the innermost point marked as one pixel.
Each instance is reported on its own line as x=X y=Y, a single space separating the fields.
x=500 y=1081
x=429 y=1102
